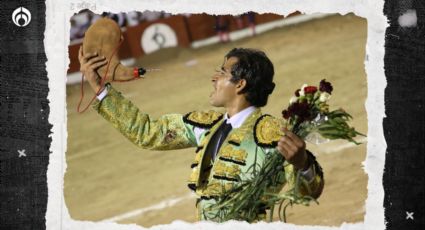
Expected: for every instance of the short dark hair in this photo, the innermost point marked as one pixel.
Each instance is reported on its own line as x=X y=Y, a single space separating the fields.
x=257 y=69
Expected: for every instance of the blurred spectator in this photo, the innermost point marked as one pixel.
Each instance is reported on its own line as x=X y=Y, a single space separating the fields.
x=222 y=24
x=151 y=15
x=93 y=17
x=120 y=18
x=133 y=18
x=75 y=32
x=165 y=15
x=80 y=23
x=251 y=21
x=222 y=28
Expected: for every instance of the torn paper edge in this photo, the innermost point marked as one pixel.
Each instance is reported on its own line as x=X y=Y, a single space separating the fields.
x=56 y=47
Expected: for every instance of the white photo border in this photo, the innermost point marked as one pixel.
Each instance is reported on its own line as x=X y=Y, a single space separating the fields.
x=56 y=43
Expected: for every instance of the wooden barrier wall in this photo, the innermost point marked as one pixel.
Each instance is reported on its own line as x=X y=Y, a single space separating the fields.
x=187 y=29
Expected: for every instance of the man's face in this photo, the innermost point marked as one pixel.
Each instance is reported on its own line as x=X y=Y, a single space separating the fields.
x=225 y=91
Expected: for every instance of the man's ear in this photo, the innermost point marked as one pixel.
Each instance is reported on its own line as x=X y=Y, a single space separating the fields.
x=240 y=86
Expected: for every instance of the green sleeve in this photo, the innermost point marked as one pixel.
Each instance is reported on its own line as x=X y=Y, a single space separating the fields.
x=165 y=133
x=294 y=182
x=311 y=188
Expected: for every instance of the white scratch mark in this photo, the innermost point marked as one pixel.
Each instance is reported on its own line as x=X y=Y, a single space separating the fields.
x=161 y=205
x=22 y=153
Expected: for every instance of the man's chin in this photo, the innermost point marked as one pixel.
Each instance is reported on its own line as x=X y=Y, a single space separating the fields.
x=214 y=103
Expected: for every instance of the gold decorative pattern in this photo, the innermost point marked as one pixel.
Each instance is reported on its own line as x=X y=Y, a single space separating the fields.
x=203 y=119
x=174 y=131
x=216 y=188
x=233 y=171
x=166 y=132
x=198 y=157
x=240 y=156
x=199 y=176
x=236 y=137
x=193 y=179
x=267 y=131
x=228 y=153
x=223 y=171
x=220 y=169
x=228 y=186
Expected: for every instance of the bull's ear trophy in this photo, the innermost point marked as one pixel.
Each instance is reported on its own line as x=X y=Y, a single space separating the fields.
x=104 y=37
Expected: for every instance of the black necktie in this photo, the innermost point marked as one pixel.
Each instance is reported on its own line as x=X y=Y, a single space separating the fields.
x=217 y=139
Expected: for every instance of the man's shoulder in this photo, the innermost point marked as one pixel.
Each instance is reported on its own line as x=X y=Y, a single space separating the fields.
x=203 y=119
x=267 y=131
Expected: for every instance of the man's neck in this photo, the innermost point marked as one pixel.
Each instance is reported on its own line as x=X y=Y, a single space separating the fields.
x=238 y=119
x=236 y=109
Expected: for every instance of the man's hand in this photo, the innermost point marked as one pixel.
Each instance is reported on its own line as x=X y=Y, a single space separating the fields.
x=293 y=149
x=89 y=63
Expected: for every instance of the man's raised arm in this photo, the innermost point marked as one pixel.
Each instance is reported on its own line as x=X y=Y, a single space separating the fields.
x=164 y=133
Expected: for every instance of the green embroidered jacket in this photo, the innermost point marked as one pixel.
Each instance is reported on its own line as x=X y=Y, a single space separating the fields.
x=243 y=150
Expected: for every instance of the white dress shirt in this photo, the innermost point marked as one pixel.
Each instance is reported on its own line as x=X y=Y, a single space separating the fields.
x=236 y=121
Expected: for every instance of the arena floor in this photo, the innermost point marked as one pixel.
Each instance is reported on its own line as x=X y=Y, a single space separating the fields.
x=107 y=176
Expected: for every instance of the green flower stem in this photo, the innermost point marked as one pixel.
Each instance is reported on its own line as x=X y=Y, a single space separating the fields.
x=245 y=201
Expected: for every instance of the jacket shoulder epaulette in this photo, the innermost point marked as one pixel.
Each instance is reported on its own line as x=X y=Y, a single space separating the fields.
x=267 y=131
x=203 y=119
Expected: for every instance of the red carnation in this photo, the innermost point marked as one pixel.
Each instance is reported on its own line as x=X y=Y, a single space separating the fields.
x=285 y=114
x=300 y=109
x=310 y=89
x=325 y=86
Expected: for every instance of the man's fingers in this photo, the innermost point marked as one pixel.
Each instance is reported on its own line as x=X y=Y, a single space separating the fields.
x=282 y=149
x=288 y=144
x=285 y=148
x=89 y=56
x=297 y=140
x=285 y=151
x=95 y=60
x=80 y=53
x=97 y=65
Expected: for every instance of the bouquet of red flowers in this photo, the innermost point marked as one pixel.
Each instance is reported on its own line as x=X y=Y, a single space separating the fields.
x=307 y=116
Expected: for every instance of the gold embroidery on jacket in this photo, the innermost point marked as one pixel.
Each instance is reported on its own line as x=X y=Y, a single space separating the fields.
x=200 y=177
x=198 y=157
x=233 y=155
x=236 y=137
x=194 y=175
x=224 y=171
x=203 y=119
x=267 y=131
x=233 y=171
x=220 y=169
x=240 y=156
x=216 y=188
x=166 y=132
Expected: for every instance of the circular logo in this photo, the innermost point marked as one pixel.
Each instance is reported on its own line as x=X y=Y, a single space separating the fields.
x=158 y=36
x=21 y=17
